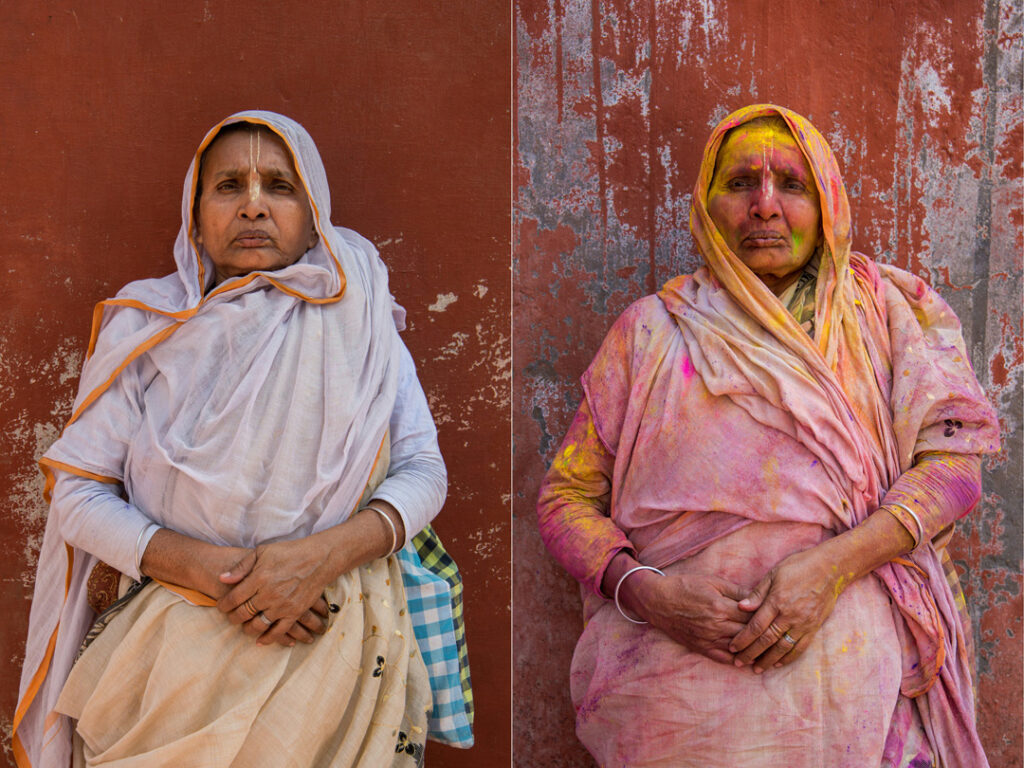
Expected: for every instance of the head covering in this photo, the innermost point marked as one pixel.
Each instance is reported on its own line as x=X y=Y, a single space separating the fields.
x=837 y=335
x=271 y=391
x=835 y=224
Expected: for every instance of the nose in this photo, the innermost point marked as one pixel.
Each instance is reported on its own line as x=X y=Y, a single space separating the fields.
x=254 y=206
x=765 y=203
x=253 y=209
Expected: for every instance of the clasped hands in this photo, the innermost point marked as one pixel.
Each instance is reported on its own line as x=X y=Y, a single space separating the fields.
x=274 y=591
x=770 y=626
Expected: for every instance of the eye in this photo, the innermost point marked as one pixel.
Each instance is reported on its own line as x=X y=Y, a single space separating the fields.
x=740 y=182
x=794 y=185
x=228 y=185
x=282 y=186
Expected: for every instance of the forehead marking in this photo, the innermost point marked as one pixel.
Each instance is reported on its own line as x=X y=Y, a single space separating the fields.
x=767 y=149
x=745 y=145
x=255 y=183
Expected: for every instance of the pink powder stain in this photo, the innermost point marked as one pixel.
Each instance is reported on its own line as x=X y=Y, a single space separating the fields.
x=687 y=367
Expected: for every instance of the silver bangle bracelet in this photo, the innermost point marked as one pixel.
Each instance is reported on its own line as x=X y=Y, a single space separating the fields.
x=919 y=539
x=617 y=586
x=138 y=546
x=391 y=525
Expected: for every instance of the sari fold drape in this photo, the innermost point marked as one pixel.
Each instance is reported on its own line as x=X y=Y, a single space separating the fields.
x=169 y=683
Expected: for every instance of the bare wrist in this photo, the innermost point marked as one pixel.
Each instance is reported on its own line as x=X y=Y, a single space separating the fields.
x=621 y=562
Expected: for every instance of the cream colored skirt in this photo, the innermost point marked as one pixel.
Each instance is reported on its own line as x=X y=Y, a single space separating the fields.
x=170 y=683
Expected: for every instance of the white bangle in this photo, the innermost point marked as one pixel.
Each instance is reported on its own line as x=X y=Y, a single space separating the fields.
x=617 y=586
x=919 y=539
x=391 y=525
x=138 y=546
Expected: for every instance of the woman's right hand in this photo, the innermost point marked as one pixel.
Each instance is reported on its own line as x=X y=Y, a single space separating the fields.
x=175 y=558
x=310 y=624
x=699 y=612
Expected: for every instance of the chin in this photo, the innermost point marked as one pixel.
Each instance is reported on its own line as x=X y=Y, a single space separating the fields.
x=774 y=264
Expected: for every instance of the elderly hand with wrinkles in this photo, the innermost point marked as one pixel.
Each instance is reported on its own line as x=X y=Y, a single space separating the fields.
x=773 y=624
x=796 y=596
x=177 y=559
x=700 y=612
x=275 y=591
x=278 y=587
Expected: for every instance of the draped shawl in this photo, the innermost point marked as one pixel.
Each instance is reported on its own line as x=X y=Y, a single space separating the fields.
x=271 y=401
x=870 y=391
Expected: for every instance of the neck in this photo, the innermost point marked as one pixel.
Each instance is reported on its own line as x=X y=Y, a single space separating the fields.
x=779 y=284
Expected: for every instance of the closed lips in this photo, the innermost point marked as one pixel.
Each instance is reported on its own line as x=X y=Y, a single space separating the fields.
x=252 y=237
x=763 y=238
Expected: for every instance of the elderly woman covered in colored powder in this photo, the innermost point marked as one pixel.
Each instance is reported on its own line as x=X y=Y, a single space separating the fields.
x=238 y=497
x=757 y=491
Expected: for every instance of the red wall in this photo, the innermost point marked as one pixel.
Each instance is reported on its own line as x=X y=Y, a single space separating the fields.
x=101 y=107
x=921 y=102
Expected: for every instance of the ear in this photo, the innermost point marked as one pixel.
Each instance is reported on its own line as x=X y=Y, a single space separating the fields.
x=314 y=238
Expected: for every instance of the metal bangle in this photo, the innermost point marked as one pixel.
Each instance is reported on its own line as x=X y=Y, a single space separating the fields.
x=919 y=539
x=138 y=546
x=617 y=586
x=391 y=525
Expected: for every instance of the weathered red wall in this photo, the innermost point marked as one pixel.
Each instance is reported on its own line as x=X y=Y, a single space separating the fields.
x=921 y=101
x=101 y=107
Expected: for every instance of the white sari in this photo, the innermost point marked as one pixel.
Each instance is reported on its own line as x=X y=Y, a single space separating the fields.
x=250 y=413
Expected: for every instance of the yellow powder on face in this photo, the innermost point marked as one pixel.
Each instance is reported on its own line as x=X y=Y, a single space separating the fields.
x=758 y=138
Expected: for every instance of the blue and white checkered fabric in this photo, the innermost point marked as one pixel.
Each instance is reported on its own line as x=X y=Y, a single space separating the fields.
x=430 y=608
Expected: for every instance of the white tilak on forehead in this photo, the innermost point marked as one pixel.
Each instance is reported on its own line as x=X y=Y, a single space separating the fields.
x=254 y=173
x=767 y=148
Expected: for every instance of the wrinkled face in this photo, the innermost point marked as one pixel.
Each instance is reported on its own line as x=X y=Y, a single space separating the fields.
x=764 y=202
x=253 y=212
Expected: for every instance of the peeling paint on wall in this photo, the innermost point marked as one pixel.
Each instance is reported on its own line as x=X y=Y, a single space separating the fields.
x=614 y=101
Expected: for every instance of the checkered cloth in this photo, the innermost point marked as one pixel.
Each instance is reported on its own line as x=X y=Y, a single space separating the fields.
x=433 y=589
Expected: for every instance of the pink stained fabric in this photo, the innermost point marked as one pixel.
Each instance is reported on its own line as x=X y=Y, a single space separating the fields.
x=725 y=419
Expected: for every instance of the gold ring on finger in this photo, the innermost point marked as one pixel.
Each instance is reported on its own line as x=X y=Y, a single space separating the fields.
x=250 y=608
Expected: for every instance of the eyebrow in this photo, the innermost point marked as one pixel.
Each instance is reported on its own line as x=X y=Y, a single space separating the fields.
x=794 y=170
x=231 y=173
x=741 y=167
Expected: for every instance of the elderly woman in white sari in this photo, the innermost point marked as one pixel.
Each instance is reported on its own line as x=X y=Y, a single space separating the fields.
x=250 y=434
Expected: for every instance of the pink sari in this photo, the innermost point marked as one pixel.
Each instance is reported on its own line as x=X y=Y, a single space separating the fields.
x=739 y=439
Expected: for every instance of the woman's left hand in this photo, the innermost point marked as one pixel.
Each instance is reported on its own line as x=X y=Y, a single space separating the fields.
x=791 y=602
x=281 y=582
